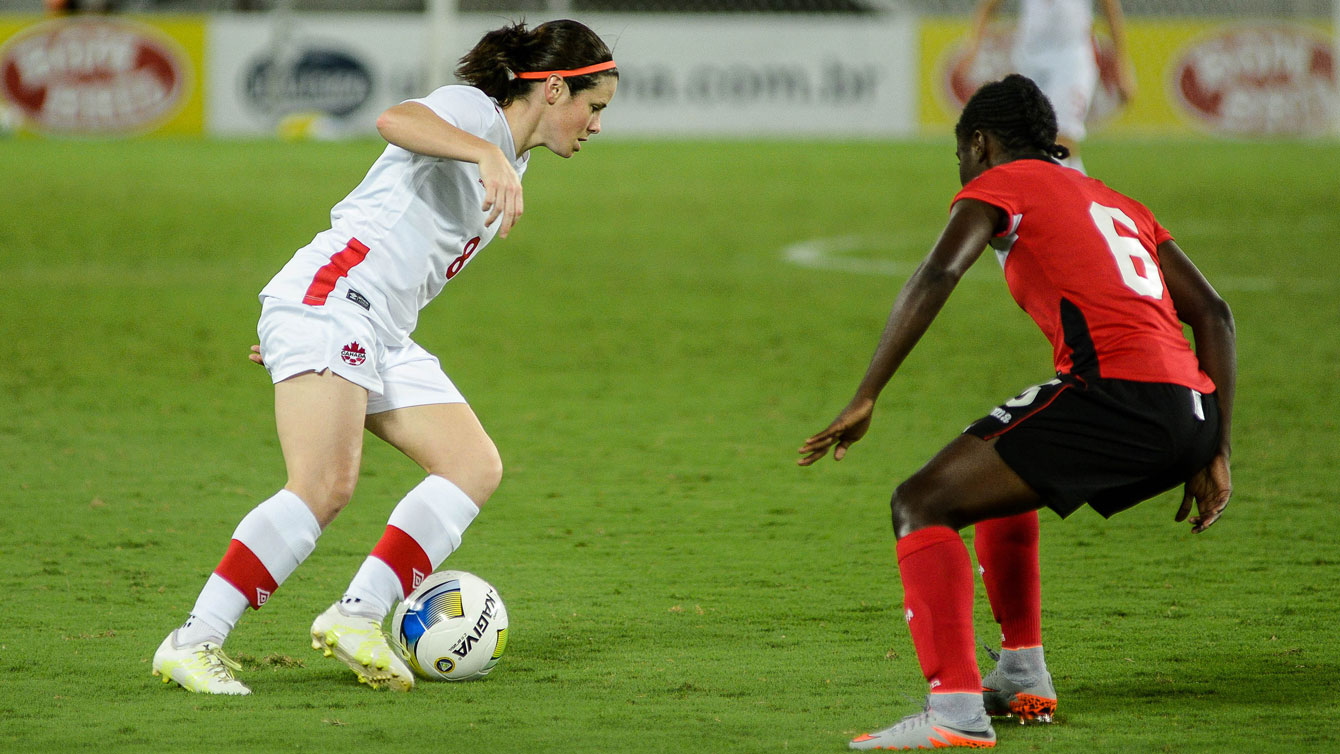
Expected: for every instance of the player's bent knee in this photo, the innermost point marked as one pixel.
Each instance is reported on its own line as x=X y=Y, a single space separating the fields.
x=488 y=475
x=915 y=505
x=326 y=496
x=477 y=472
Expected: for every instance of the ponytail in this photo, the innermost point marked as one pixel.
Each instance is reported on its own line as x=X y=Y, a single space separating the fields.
x=493 y=64
x=1017 y=112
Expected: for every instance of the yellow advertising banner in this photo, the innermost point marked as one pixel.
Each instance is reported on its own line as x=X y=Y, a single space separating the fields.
x=98 y=75
x=1240 y=78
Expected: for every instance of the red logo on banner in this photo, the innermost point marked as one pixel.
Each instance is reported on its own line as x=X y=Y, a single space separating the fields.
x=1259 y=81
x=995 y=61
x=89 y=76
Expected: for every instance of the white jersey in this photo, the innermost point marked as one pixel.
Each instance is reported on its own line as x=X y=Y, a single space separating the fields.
x=411 y=225
x=1048 y=25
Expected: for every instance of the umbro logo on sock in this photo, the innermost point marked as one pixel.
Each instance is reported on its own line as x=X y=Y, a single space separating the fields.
x=262 y=596
x=418 y=577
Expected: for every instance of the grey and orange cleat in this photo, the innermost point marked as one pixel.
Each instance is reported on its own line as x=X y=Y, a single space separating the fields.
x=1031 y=699
x=925 y=730
x=360 y=643
x=202 y=668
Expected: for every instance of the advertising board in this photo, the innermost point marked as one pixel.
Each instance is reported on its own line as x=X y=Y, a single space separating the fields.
x=101 y=75
x=1234 y=79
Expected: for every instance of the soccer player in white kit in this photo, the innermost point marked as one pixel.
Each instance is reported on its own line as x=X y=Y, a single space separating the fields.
x=1054 y=46
x=335 y=331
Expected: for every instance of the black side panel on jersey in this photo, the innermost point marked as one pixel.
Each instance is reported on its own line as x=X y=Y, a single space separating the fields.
x=1083 y=354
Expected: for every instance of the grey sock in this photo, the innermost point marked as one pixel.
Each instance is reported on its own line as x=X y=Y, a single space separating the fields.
x=961 y=710
x=1022 y=665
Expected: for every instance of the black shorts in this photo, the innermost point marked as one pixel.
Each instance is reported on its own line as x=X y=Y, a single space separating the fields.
x=1110 y=443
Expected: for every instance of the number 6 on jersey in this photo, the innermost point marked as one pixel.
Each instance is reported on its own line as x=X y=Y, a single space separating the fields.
x=1126 y=250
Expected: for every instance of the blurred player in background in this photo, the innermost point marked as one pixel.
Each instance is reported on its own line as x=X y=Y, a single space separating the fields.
x=1054 y=46
x=1133 y=410
x=335 y=333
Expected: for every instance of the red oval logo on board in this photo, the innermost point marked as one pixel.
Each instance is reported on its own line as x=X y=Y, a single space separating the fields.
x=90 y=76
x=995 y=61
x=1269 y=80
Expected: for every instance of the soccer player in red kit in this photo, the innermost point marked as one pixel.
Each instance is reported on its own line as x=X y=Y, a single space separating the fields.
x=1133 y=410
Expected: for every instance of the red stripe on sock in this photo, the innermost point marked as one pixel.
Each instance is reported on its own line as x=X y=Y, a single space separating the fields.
x=1007 y=551
x=937 y=596
x=248 y=575
x=403 y=554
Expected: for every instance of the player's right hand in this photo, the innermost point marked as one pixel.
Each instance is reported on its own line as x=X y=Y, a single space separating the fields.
x=255 y=355
x=849 y=426
x=1210 y=488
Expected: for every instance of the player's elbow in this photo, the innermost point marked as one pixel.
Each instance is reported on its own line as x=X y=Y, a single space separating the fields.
x=1215 y=312
x=394 y=123
x=1221 y=312
x=386 y=124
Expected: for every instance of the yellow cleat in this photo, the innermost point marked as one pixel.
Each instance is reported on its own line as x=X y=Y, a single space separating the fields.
x=202 y=668
x=360 y=643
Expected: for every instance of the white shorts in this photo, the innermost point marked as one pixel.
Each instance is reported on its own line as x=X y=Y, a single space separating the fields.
x=297 y=338
x=1068 y=78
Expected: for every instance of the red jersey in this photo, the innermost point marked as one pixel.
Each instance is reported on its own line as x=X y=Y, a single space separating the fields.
x=1082 y=260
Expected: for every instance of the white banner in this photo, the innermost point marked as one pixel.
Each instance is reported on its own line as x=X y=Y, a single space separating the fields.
x=722 y=76
x=762 y=75
x=322 y=75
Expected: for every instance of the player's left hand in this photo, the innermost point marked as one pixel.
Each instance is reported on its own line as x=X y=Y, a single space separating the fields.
x=847 y=428
x=1210 y=488
x=502 y=192
x=255 y=355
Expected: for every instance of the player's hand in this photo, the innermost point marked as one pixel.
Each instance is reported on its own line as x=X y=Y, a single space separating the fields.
x=255 y=355
x=502 y=191
x=1210 y=488
x=847 y=428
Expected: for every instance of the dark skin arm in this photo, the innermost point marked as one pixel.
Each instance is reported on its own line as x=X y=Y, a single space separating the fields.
x=1211 y=323
x=971 y=225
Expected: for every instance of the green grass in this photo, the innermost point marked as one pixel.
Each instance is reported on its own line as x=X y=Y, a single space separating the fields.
x=647 y=363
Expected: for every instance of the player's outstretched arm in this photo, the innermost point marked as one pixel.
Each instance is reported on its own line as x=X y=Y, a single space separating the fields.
x=1116 y=24
x=1211 y=321
x=971 y=225
x=415 y=127
x=981 y=19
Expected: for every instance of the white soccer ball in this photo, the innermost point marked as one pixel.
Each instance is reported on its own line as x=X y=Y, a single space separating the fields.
x=453 y=627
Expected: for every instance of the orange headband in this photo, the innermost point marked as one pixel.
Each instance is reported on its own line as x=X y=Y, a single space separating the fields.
x=605 y=66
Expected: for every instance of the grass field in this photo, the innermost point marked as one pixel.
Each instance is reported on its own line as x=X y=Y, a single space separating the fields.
x=647 y=360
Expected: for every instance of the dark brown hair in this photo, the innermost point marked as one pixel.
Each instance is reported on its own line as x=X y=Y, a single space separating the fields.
x=552 y=46
x=1017 y=112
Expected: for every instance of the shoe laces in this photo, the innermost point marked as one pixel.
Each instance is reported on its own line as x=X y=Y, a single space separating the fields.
x=915 y=719
x=220 y=664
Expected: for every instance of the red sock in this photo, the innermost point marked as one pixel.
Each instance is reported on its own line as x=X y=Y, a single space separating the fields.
x=937 y=595
x=248 y=575
x=1007 y=551
x=405 y=556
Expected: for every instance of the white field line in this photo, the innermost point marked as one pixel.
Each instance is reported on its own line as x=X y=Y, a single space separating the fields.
x=857 y=254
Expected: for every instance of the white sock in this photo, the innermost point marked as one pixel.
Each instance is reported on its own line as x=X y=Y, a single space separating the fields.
x=267 y=546
x=425 y=527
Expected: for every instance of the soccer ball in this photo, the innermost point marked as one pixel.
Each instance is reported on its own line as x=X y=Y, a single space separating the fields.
x=452 y=627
